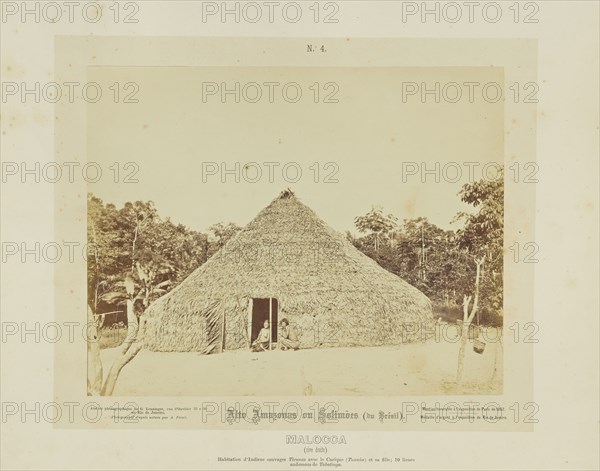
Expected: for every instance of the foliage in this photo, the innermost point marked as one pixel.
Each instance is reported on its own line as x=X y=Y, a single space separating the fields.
x=425 y=256
x=135 y=243
x=441 y=263
x=483 y=235
x=221 y=235
x=377 y=223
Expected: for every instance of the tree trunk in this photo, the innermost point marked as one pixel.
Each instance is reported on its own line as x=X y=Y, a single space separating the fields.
x=94 y=362
x=464 y=334
x=467 y=319
x=126 y=356
x=132 y=327
x=135 y=236
x=115 y=369
x=129 y=349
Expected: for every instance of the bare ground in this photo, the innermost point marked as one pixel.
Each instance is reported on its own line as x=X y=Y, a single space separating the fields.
x=410 y=369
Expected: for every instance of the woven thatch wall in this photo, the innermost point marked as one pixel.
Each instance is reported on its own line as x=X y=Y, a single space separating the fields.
x=324 y=285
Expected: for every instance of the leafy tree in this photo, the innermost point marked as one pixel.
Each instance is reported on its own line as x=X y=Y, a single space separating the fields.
x=483 y=236
x=424 y=255
x=135 y=256
x=377 y=223
x=441 y=263
x=221 y=234
x=145 y=291
x=118 y=239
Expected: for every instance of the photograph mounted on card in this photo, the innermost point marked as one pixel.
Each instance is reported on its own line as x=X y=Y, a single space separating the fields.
x=348 y=234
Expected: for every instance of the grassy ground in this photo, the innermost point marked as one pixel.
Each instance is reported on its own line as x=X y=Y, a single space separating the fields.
x=452 y=313
x=411 y=369
x=111 y=337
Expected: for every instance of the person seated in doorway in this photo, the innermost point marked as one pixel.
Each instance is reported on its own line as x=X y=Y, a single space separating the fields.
x=288 y=337
x=261 y=343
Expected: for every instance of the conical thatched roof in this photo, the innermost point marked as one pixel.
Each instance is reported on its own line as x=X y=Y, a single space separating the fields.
x=332 y=292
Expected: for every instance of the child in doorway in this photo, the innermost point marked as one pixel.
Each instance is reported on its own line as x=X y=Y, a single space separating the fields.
x=261 y=344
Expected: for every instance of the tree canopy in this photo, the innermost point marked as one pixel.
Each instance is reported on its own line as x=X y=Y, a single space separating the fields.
x=136 y=242
x=439 y=262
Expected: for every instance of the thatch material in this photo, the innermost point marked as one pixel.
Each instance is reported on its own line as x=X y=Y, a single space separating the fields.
x=334 y=294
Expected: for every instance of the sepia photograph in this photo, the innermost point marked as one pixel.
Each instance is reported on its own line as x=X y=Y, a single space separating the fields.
x=227 y=267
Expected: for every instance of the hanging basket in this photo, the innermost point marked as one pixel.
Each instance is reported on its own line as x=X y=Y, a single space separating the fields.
x=478 y=346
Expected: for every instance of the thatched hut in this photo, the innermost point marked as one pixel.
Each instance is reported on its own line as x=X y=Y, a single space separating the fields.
x=286 y=263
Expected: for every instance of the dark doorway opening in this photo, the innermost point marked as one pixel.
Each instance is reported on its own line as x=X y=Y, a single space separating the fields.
x=262 y=310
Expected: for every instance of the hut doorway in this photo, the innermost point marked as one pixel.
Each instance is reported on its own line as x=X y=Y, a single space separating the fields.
x=261 y=310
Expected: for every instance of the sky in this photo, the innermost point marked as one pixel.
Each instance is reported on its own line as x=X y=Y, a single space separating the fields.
x=353 y=154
